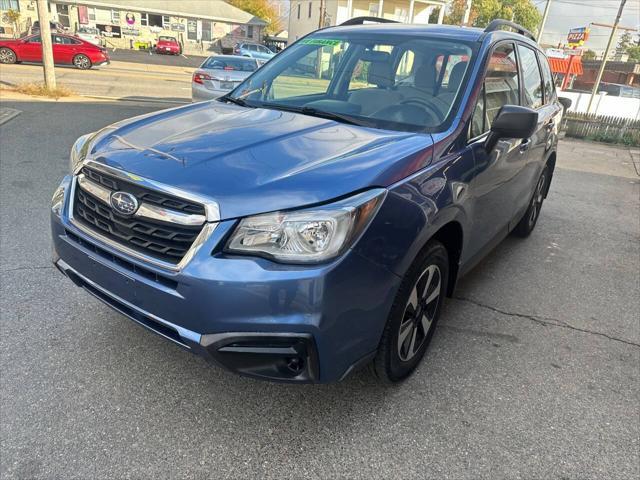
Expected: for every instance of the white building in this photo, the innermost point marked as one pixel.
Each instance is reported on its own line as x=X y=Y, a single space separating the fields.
x=305 y=15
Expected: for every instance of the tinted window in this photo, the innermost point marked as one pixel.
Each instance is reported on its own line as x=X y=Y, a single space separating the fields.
x=237 y=64
x=500 y=88
x=531 y=79
x=35 y=39
x=549 y=86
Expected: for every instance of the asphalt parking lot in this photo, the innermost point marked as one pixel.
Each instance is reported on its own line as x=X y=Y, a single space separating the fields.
x=534 y=371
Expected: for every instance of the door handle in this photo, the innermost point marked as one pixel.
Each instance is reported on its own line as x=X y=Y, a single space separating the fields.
x=524 y=146
x=549 y=126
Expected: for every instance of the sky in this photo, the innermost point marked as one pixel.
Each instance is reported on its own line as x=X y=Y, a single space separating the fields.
x=566 y=14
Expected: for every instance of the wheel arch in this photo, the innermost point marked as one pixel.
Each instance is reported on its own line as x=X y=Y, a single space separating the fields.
x=14 y=52
x=551 y=166
x=451 y=236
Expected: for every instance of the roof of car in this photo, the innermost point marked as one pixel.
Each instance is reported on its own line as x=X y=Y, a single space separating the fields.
x=236 y=57
x=445 y=31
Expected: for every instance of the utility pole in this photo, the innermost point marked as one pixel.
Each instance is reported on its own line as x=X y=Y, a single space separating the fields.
x=47 y=48
x=547 y=7
x=596 y=85
x=322 y=13
x=467 y=13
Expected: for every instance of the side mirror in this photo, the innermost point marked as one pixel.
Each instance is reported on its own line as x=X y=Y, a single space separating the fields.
x=512 y=121
x=565 y=102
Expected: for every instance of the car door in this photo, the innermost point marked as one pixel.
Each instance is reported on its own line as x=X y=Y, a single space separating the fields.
x=31 y=50
x=536 y=146
x=494 y=184
x=62 y=50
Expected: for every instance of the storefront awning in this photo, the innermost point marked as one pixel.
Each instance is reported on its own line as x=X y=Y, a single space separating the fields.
x=560 y=65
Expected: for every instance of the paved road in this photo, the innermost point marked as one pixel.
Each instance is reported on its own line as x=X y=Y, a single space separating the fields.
x=118 y=80
x=135 y=56
x=533 y=373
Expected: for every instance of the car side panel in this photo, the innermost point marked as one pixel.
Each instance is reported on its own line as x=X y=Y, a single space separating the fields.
x=416 y=208
x=30 y=52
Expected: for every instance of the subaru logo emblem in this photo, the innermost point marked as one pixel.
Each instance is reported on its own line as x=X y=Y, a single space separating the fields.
x=124 y=203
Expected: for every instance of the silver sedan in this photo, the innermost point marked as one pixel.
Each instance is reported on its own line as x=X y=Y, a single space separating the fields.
x=219 y=75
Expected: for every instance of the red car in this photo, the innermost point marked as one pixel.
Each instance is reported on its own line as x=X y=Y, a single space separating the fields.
x=168 y=45
x=67 y=49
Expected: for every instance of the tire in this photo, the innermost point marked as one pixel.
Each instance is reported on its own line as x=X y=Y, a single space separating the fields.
x=82 y=62
x=7 y=55
x=408 y=332
x=528 y=222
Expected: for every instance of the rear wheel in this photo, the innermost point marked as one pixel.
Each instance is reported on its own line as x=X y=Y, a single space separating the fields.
x=414 y=315
x=7 y=55
x=528 y=222
x=82 y=62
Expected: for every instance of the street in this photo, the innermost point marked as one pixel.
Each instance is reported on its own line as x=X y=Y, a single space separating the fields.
x=120 y=80
x=533 y=371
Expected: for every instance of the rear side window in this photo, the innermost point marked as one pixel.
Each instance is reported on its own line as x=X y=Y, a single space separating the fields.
x=531 y=79
x=501 y=87
x=237 y=64
x=549 y=86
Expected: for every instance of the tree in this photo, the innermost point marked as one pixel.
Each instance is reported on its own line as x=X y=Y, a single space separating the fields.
x=262 y=9
x=523 y=12
x=624 y=42
x=634 y=53
x=13 y=17
x=589 y=55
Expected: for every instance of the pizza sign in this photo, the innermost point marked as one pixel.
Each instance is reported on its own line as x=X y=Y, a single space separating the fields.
x=577 y=36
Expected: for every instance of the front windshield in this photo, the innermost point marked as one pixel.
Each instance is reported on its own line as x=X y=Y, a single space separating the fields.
x=388 y=81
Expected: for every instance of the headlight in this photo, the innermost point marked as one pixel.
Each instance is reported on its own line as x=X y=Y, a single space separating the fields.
x=79 y=151
x=57 y=201
x=307 y=236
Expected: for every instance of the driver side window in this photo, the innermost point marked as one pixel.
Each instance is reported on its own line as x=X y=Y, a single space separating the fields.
x=500 y=87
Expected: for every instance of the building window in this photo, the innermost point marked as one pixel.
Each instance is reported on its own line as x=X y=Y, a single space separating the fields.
x=310 y=4
x=166 y=21
x=192 y=30
x=9 y=5
x=144 y=19
x=298 y=11
x=206 y=30
x=115 y=16
x=92 y=14
x=250 y=31
x=154 y=20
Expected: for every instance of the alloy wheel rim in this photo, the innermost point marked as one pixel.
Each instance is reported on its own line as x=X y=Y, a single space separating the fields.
x=5 y=56
x=81 y=61
x=419 y=313
x=536 y=201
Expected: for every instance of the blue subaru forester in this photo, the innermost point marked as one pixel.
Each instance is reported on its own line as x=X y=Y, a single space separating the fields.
x=313 y=220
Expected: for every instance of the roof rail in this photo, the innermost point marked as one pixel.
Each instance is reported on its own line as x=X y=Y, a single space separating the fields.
x=361 y=20
x=496 y=24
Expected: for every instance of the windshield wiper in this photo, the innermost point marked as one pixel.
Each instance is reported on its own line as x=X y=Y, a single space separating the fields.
x=237 y=101
x=314 y=112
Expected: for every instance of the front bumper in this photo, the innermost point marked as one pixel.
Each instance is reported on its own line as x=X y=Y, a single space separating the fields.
x=249 y=315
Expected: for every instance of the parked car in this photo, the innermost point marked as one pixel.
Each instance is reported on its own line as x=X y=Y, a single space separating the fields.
x=67 y=49
x=618 y=90
x=168 y=45
x=253 y=50
x=297 y=229
x=89 y=34
x=219 y=75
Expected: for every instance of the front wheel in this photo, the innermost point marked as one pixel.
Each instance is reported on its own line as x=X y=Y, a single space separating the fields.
x=528 y=222
x=414 y=315
x=82 y=62
x=7 y=55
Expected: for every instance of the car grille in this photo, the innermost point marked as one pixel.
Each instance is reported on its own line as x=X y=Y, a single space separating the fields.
x=162 y=240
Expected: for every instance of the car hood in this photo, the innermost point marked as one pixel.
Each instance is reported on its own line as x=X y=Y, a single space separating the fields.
x=255 y=160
